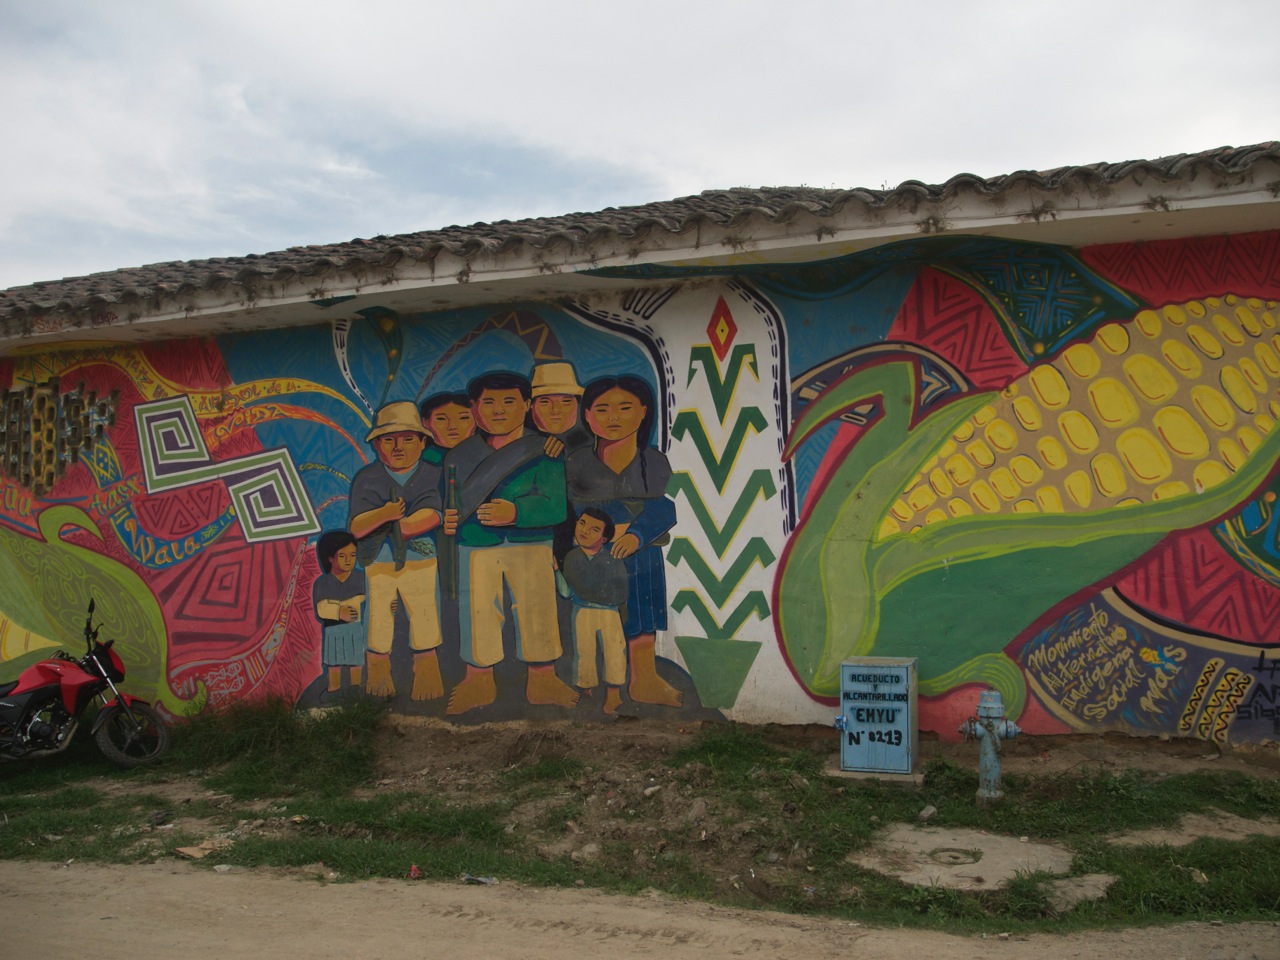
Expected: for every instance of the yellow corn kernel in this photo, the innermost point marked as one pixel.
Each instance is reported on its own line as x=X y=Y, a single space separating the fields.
x=984 y=415
x=938 y=480
x=959 y=508
x=1268 y=321
x=1028 y=414
x=1114 y=338
x=984 y=497
x=1231 y=454
x=980 y=453
x=1146 y=459
x=1195 y=309
x=1108 y=474
x=1238 y=390
x=1181 y=358
x=963 y=432
x=902 y=511
x=1253 y=373
x=959 y=469
x=1275 y=341
x=1265 y=422
x=1079 y=431
x=1228 y=330
x=920 y=497
x=1001 y=436
x=1274 y=407
x=1079 y=488
x=1114 y=403
x=1204 y=341
x=1167 y=491
x=1081 y=360
x=1149 y=377
x=1026 y=470
x=1010 y=391
x=1213 y=406
x=1246 y=319
x=933 y=516
x=888 y=528
x=1049 y=499
x=1176 y=315
x=1208 y=474
x=1025 y=506
x=1212 y=302
x=1049 y=386
x=1148 y=321
x=1249 y=439
x=1231 y=299
x=946 y=450
x=1129 y=502
x=1051 y=452
x=1181 y=433
x=1268 y=359
x=1003 y=483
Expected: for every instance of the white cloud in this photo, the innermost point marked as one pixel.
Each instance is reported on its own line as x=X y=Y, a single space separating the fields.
x=194 y=129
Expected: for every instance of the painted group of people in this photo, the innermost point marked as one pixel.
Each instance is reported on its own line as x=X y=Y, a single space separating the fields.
x=519 y=495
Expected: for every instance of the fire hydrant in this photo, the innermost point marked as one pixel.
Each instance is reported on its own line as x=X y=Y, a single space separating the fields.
x=990 y=727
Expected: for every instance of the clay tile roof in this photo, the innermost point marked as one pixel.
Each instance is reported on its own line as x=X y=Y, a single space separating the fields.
x=140 y=288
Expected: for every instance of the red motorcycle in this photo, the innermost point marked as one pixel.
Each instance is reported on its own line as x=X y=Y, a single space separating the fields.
x=41 y=710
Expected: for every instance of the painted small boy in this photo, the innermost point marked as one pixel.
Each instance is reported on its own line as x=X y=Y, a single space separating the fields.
x=596 y=581
x=338 y=594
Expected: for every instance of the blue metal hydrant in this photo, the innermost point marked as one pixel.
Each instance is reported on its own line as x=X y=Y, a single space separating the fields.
x=990 y=727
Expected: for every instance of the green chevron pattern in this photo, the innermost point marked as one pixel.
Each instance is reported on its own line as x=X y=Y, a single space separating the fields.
x=759 y=484
x=689 y=423
x=721 y=385
x=753 y=602
x=720 y=588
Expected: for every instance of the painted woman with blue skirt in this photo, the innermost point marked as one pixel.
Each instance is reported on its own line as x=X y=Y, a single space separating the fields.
x=624 y=476
x=338 y=595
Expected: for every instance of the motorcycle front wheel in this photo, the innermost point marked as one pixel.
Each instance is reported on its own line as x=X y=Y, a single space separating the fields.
x=127 y=743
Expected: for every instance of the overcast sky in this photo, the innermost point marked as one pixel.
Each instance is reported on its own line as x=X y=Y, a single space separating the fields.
x=137 y=132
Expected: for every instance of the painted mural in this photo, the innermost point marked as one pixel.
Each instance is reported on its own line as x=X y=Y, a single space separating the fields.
x=1044 y=470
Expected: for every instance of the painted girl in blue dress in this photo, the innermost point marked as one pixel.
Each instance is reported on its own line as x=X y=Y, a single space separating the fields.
x=624 y=476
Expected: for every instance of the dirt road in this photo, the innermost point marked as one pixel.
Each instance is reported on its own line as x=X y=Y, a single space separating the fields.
x=179 y=910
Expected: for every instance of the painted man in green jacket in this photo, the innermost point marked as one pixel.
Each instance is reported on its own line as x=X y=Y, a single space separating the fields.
x=512 y=496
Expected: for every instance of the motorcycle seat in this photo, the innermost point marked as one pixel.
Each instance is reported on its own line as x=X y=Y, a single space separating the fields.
x=6 y=687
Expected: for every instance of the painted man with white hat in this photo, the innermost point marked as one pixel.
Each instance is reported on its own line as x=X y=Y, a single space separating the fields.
x=394 y=506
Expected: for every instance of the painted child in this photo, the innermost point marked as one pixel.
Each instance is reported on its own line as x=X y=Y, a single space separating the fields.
x=596 y=581
x=338 y=594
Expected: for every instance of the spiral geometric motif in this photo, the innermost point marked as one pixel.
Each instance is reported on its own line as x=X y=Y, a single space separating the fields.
x=265 y=488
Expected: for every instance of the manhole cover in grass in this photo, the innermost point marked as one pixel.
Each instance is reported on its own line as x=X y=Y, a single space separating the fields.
x=954 y=856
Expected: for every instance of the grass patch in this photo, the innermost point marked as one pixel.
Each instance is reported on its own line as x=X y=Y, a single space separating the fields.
x=731 y=817
x=268 y=749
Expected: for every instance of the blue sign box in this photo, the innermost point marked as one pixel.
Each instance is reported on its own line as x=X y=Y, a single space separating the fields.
x=878 y=707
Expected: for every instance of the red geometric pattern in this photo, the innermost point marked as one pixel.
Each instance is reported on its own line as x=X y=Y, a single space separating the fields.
x=1172 y=271
x=721 y=328
x=953 y=321
x=225 y=597
x=1190 y=579
x=280 y=661
x=197 y=364
x=176 y=514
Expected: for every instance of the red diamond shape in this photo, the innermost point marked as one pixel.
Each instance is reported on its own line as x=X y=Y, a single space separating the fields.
x=721 y=329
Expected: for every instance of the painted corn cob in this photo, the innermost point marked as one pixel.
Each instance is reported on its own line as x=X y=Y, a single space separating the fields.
x=1168 y=404
x=1025 y=496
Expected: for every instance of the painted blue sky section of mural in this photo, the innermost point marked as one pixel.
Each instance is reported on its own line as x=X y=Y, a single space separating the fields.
x=858 y=318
